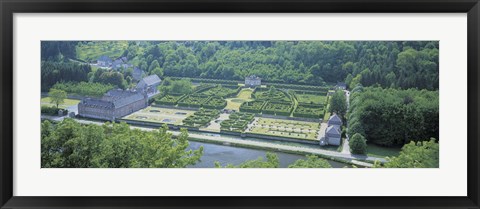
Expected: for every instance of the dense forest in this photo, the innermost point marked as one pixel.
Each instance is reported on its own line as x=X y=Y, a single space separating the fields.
x=395 y=64
x=392 y=117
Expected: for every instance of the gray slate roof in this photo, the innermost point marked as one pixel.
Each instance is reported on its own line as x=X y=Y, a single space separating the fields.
x=152 y=80
x=97 y=103
x=121 y=98
x=333 y=130
x=335 y=118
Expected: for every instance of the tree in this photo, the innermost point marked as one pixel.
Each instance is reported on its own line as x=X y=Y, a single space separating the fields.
x=70 y=144
x=182 y=86
x=422 y=154
x=312 y=161
x=358 y=144
x=338 y=103
x=57 y=96
x=158 y=71
x=270 y=162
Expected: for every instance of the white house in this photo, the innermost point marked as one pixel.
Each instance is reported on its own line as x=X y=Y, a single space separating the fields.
x=333 y=133
x=253 y=81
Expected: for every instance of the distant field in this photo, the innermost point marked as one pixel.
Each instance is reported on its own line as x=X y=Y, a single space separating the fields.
x=160 y=115
x=67 y=102
x=93 y=50
x=285 y=128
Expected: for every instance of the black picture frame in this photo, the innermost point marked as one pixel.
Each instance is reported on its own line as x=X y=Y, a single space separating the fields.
x=9 y=7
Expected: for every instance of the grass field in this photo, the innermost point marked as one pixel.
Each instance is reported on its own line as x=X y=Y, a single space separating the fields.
x=311 y=98
x=378 y=151
x=243 y=96
x=160 y=115
x=67 y=102
x=285 y=128
x=91 y=51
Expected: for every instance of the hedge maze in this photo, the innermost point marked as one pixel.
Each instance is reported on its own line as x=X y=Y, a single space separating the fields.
x=169 y=99
x=309 y=111
x=237 y=121
x=223 y=91
x=253 y=106
x=278 y=108
x=201 y=118
x=193 y=100
x=215 y=103
x=271 y=94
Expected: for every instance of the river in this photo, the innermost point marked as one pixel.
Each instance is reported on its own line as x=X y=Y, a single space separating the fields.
x=236 y=155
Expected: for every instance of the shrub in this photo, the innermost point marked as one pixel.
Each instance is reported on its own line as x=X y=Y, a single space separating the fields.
x=358 y=144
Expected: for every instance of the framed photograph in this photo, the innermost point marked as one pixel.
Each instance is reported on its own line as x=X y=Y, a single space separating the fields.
x=239 y=104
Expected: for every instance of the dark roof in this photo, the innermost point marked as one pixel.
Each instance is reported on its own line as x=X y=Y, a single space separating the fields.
x=341 y=84
x=97 y=103
x=333 y=130
x=335 y=118
x=152 y=80
x=121 y=98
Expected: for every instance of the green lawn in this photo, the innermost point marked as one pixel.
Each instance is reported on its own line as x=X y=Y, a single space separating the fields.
x=311 y=98
x=378 y=151
x=67 y=102
x=245 y=94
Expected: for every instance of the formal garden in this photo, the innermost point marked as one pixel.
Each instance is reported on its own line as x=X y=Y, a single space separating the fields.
x=160 y=115
x=278 y=108
x=201 y=118
x=169 y=99
x=192 y=100
x=214 y=102
x=237 y=121
x=252 y=106
x=285 y=128
x=310 y=111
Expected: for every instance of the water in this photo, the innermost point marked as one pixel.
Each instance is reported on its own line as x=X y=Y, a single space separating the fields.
x=236 y=155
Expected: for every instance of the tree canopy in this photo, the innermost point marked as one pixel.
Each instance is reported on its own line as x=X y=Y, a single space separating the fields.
x=70 y=144
x=422 y=154
x=392 y=117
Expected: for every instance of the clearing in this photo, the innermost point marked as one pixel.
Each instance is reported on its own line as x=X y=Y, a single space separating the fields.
x=67 y=102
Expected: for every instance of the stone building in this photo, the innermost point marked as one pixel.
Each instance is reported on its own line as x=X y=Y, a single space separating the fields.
x=333 y=133
x=253 y=81
x=149 y=85
x=113 y=105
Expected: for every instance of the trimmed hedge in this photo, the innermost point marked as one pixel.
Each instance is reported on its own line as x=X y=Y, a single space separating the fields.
x=201 y=118
x=237 y=122
x=169 y=99
x=309 y=111
x=215 y=103
x=52 y=110
x=278 y=108
x=193 y=100
x=253 y=106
